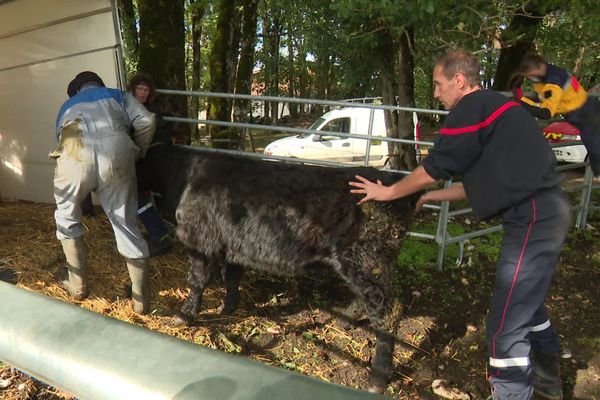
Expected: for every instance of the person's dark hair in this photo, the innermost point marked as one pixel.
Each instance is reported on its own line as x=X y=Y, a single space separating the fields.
x=80 y=79
x=460 y=61
x=529 y=62
x=142 y=78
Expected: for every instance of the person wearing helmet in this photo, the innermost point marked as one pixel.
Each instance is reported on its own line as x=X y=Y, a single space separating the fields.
x=560 y=93
x=95 y=152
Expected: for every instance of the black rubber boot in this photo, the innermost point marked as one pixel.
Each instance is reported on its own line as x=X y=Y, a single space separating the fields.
x=545 y=375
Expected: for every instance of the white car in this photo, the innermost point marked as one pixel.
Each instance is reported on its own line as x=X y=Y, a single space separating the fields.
x=324 y=144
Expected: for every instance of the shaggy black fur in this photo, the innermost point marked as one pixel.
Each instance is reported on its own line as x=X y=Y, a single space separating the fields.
x=235 y=212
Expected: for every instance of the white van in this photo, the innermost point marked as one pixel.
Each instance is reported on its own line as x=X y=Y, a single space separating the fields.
x=323 y=144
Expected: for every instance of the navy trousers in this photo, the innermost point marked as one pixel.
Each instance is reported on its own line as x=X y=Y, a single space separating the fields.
x=534 y=231
x=149 y=216
x=587 y=120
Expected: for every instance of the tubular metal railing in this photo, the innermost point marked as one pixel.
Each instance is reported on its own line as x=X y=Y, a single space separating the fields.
x=442 y=236
x=95 y=357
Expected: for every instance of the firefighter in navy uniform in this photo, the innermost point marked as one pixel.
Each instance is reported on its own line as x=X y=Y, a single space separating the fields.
x=559 y=93
x=507 y=170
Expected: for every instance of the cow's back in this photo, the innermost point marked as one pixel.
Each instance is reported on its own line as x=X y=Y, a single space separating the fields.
x=265 y=212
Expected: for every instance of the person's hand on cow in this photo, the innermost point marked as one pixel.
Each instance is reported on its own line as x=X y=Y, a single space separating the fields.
x=417 y=180
x=372 y=190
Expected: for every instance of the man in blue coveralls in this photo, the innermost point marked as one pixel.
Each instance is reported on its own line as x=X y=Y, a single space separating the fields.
x=96 y=153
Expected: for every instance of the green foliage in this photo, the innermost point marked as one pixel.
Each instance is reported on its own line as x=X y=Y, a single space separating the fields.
x=417 y=253
x=487 y=246
x=570 y=37
x=589 y=342
x=417 y=258
x=208 y=28
x=336 y=48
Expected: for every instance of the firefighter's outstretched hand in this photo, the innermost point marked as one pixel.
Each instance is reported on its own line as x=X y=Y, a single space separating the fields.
x=371 y=190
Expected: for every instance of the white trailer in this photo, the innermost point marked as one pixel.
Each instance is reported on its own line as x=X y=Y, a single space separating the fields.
x=43 y=45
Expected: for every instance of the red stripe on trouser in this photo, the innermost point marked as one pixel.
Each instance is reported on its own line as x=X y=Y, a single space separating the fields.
x=530 y=227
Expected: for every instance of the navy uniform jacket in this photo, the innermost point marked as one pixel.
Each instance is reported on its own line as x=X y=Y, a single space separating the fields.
x=495 y=145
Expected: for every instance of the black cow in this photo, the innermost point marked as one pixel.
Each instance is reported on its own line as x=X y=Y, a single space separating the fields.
x=235 y=212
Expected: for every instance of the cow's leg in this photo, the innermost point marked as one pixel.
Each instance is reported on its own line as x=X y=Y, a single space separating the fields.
x=377 y=300
x=232 y=275
x=200 y=274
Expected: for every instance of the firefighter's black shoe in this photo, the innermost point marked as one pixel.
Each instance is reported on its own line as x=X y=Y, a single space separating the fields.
x=545 y=375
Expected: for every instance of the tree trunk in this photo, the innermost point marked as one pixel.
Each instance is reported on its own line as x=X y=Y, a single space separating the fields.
x=579 y=60
x=243 y=83
x=162 y=51
x=234 y=47
x=293 y=107
x=398 y=61
x=388 y=98
x=220 y=108
x=198 y=8
x=323 y=66
x=266 y=32
x=406 y=98
x=517 y=40
x=430 y=99
x=303 y=79
x=130 y=35
x=273 y=40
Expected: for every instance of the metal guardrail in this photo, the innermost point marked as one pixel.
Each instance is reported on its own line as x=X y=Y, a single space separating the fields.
x=96 y=357
x=441 y=237
x=298 y=100
x=368 y=137
x=99 y=358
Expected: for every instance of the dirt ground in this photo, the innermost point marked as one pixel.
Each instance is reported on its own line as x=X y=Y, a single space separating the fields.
x=298 y=324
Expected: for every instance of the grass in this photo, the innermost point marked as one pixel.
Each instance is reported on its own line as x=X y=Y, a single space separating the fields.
x=417 y=263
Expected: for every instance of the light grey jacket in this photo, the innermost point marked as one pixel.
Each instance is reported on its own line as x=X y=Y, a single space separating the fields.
x=102 y=112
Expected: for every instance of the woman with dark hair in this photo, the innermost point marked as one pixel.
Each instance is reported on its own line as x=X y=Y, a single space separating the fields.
x=559 y=93
x=142 y=87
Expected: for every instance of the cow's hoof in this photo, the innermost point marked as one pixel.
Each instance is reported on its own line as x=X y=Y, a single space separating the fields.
x=8 y=275
x=226 y=309
x=377 y=385
x=180 y=320
x=377 y=389
x=223 y=310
